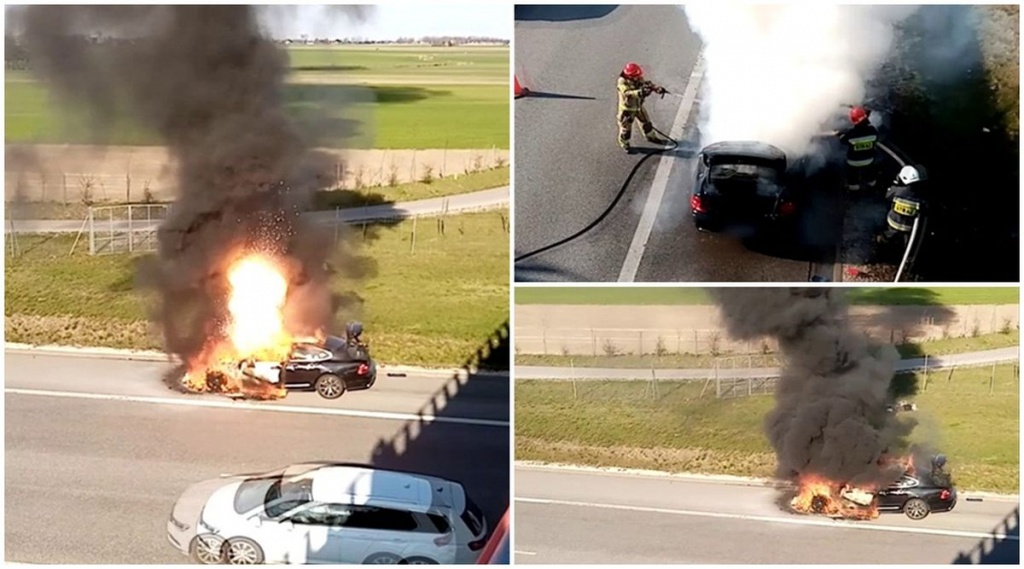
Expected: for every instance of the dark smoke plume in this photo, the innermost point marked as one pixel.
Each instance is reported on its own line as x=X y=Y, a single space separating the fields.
x=209 y=82
x=830 y=416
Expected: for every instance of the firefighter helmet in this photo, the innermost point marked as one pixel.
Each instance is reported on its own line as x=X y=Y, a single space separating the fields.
x=908 y=175
x=858 y=114
x=354 y=329
x=633 y=71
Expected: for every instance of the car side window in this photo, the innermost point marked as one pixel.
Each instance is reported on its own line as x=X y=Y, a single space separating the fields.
x=370 y=517
x=315 y=515
x=309 y=354
x=433 y=523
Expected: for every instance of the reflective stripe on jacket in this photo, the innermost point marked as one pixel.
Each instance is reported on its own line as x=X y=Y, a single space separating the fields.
x=906 y=207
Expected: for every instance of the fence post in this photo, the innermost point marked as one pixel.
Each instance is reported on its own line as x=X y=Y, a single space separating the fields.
x=718 y=382
x=92 y=233
x=992 y=380
x=131 y=234
x=750 y=386
x=572 y=374
x=593 y=342
x=640 y=348
x=544 y=340
x=927 y=373
x=413 y=246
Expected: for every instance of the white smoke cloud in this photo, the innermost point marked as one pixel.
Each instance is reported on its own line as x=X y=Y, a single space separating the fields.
x=776 y=73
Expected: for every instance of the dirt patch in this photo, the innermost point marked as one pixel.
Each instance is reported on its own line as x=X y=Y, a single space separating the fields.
x=94 y=174
x=616 y=330
x=81 y=331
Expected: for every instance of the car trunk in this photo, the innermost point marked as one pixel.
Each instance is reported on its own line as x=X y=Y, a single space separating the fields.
x=745 y=200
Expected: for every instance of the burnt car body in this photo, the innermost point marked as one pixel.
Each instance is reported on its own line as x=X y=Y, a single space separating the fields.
x=741 y=185
x=918 y=494
x=330 y=368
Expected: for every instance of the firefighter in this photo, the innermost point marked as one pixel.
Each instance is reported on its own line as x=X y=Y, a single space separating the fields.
x=860 y=140
x=906 y=204
x=633 y=90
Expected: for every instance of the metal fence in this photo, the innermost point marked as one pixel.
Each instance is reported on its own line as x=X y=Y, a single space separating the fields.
x=748 y=376
x=618 y=342
x=122 y=228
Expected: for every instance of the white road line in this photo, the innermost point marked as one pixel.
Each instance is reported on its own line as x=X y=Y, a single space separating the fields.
x=264 y=407
x=643 y=230
x=776 y=520
x=525 y=552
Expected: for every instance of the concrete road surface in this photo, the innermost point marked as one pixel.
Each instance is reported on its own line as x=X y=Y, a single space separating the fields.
x=574 y=517
x=461 y=203
x=1000 y=355
x=97 y=451
x=569 y=168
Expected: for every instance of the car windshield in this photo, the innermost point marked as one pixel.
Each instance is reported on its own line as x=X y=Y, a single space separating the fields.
x=473 y=517
x=284 y=495
x=252 y=492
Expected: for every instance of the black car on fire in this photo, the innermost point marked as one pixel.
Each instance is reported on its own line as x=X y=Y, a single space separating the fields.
x=330 y=367
x=741 y=186
x=920 y=492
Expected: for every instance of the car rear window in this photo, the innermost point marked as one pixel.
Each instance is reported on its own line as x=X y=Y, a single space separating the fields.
x=473 y=517
x=436 y=524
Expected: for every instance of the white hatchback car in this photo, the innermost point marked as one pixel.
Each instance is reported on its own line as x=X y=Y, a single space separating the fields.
x=328 y=513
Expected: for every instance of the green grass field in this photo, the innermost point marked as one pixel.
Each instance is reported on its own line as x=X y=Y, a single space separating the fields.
x=626 y=424
x=697 y=296
x=431 y=307
x=667 y=361
x=397 y=98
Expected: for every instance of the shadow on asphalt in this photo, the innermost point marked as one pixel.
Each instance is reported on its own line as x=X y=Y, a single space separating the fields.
x=561 y=13
x=445 y=450
x=996 y=550
x=543 y=95
x=944 y=113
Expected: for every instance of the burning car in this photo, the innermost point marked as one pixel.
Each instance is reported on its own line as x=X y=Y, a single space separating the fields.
x=916 y=493
x=740 y=184
x=330 y=367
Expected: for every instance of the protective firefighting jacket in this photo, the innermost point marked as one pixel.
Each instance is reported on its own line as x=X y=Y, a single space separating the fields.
x=860 y=142
x=632 y=93
x=906 y=206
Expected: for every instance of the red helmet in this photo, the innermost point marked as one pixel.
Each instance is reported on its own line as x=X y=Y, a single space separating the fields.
x=858 y=114
x=633 y=71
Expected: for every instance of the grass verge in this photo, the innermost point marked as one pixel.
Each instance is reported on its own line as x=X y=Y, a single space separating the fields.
x=627 y=361
x=447 y=186
x=626 y=424
x=433 y=306
x=696 y=296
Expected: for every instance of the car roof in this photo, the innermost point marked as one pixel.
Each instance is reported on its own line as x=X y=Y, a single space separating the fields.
x=748 y=148
x=365 y=485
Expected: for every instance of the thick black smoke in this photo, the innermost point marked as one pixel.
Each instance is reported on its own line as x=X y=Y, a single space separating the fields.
x=830 y=417
x=209 y=82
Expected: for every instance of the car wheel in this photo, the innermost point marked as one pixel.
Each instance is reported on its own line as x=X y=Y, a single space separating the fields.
x=242 y=551
x=330 y=386
x=916 y=509
x=383 y=559
x=419 y=561
x=206 y=549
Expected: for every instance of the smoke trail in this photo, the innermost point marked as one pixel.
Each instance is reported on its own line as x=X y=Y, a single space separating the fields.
x=778 y=73
x=212 y=86
x=830 y=415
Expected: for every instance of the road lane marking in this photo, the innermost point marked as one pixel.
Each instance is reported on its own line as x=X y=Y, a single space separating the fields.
x=525 y=552
x=631 y=264
x=772 y=519
x=257 y=407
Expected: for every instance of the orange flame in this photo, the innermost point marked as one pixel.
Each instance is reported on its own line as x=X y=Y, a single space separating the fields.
x=255 y=331
x=819 y=495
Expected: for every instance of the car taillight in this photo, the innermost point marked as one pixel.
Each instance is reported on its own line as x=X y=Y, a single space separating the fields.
x=478 y=544
x=944 y=495
x=363 y=369
x=787 y=208
x=443 y=540
x=696 y=204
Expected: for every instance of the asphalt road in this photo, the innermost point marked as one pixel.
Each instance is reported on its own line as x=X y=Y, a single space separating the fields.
x=97 y=451
x=572 y=517
x=1001 y=355
x=460 y=203
x=569 y=168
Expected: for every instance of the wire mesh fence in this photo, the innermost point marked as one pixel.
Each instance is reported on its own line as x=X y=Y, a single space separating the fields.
x=122 y=228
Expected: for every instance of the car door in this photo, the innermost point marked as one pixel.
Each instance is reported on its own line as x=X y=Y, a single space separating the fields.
x=304 y=365
x=309 y=535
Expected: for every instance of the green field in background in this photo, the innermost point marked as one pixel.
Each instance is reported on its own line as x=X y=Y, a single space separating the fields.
x=697 y=296
x=396 y=98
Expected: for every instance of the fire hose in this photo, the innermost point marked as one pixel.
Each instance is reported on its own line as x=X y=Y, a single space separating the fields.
x=611 y=206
